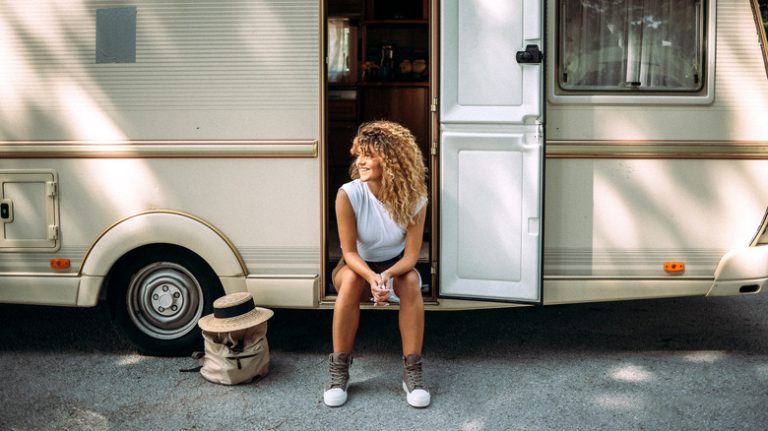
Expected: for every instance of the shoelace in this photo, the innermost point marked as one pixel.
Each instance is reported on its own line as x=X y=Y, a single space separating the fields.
x=413 y=375
x=339 y=372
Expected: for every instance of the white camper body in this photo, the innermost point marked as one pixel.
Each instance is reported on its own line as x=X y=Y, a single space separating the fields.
x=157 y=155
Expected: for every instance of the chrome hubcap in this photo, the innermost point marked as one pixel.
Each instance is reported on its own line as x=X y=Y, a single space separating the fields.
x=165 y=300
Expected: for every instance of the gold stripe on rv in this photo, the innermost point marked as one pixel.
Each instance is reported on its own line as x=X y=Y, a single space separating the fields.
x=159 y=149
x=610 y=149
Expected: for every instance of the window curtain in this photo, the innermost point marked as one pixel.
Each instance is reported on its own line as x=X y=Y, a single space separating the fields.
x=631 y=44
x=338 y=50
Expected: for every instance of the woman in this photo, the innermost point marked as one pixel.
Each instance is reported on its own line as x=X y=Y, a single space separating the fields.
x=380 y=216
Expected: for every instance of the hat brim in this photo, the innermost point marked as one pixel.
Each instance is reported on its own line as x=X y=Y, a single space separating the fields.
x=244 y=321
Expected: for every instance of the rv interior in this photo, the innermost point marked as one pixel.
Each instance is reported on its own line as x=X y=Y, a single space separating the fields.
x=378 y=67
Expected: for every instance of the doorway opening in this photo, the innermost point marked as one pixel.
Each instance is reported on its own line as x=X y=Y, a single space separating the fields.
x=378 y=66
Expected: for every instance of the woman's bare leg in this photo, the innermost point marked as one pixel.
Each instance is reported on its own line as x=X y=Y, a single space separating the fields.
x=346 y=310
x=411 y=312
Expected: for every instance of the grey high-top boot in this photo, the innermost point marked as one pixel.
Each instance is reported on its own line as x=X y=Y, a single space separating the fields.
x=417 y=394
x=335 y=393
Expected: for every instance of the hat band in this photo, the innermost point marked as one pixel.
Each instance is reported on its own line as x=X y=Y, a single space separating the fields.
x=233 y=311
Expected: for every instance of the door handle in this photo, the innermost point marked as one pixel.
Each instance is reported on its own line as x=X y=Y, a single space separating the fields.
x=531 y=55
x=6 y=211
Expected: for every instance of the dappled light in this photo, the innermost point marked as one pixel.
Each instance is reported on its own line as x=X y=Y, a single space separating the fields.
x=762 y=371
x=646 y=212
x=66 y=92
x=618 y=402
x=136 y=180
x=740 y=71
x=473 y=425
x=194 y=77
x=127 y=360
x=494 y=10
x=86 y=119
x=631 y=373
x=705 y=356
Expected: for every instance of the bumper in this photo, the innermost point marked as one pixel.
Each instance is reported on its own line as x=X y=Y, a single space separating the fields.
x=741 y=271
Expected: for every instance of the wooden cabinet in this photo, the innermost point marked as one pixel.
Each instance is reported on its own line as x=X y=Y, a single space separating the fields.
x=392 y=75
x=395 y=52
x=344 y=7
x=396 y=9
x=405 y=103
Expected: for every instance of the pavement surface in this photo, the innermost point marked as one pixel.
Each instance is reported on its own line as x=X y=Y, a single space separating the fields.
x=673 y=364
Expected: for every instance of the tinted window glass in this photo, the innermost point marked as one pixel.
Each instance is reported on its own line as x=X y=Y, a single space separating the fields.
x=631 y=45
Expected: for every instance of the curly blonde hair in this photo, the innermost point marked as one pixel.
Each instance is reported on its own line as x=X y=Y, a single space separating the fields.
x=403 y=183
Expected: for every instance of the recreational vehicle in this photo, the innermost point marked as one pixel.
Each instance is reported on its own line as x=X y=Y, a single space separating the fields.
x=156 y=154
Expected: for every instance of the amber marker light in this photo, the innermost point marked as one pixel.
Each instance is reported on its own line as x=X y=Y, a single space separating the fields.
x=674 y=266
x=60 y=263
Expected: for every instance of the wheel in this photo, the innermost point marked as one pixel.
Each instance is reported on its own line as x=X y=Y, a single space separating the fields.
x=158 y=294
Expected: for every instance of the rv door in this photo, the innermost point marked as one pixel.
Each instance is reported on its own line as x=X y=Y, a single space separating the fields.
x=491 y=149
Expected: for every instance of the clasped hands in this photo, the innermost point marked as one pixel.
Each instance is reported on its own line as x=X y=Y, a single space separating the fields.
x=380 y=288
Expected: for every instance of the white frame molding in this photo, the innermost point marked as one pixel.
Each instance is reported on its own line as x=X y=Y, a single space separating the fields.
x=704 y=97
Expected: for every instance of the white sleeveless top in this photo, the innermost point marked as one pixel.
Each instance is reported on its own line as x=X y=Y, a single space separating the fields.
x=379 y=238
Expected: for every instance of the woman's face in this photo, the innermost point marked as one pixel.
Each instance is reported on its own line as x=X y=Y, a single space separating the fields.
x=369 y=167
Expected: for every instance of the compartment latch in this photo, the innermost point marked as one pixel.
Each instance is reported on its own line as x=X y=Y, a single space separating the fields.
x=532 y=54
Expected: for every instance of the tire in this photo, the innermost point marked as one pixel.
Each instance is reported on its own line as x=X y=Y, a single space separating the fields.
x=157 y=294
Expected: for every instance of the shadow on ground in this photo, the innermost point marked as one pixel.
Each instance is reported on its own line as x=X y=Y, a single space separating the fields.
x=731 y=324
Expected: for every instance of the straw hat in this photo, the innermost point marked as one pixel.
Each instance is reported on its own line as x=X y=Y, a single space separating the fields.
x=234 y=312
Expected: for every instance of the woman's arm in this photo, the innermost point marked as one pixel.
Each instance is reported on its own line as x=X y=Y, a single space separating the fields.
x=345 y=218
x=414 y=235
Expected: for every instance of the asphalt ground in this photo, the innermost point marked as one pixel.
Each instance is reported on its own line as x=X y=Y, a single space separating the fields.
x=671 y=364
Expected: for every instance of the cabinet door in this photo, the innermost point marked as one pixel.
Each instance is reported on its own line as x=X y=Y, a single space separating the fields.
x=405 y=105
x=28 y=218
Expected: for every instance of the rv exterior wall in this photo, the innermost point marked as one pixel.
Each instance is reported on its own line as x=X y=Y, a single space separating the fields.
x=632 y=184
x=629 y=184
x=182 y=128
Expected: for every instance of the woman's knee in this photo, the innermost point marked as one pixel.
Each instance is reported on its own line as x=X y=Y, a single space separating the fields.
x=408 y=284
x=349 y=283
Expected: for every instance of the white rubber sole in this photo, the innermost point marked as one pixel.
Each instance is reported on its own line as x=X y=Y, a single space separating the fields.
x=419 y=398
x=335 y=397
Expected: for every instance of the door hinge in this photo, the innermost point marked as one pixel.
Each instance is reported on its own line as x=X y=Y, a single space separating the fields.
x=433 y=106
x=53 y=232
x=51 y=189
x=433 y=148
x=433 y=268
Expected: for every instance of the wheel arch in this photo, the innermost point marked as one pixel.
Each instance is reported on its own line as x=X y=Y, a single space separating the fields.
x=161 y=227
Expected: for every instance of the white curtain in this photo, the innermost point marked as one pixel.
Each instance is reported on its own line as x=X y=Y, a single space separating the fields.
x=631 y=44
x=339 y=50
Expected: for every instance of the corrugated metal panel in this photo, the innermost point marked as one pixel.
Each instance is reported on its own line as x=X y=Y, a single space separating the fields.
x=249 y=56
x=741 y=81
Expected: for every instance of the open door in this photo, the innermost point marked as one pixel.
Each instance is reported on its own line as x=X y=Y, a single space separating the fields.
x=491 y=149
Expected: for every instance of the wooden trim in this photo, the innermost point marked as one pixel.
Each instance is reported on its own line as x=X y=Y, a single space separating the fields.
x=761 y=232
x=235 y=149
x=761 y=32
x=609 y=149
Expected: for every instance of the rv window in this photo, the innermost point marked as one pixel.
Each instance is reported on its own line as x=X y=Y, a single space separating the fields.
x=631 y=45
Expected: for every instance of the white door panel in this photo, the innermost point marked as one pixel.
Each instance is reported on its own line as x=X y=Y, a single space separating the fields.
x=490 y=216
x=491 y=150
x=482 y=81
